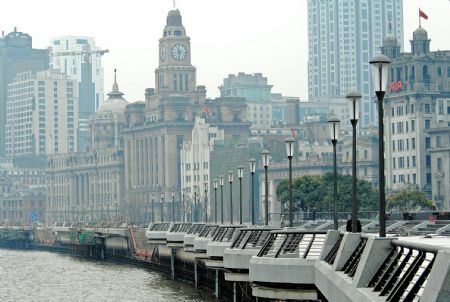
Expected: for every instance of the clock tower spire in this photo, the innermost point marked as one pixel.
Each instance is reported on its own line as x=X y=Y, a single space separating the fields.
x=175 y=73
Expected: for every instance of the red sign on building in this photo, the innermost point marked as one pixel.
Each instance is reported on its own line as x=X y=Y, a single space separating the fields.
x=396 y=86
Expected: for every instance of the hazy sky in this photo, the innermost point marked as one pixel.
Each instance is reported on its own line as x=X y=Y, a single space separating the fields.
x=227 y=36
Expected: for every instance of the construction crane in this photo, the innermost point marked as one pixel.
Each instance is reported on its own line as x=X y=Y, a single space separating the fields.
x=86 y=53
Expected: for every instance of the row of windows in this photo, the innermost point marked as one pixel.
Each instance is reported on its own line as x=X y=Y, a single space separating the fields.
x=410 y=178
x=400 y=129
x=403 y=144
x=400 y=163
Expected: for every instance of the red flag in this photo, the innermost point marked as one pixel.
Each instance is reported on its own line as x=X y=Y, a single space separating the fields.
x=422 y=14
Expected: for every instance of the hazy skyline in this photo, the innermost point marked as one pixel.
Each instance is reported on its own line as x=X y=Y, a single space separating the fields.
x=226 y=36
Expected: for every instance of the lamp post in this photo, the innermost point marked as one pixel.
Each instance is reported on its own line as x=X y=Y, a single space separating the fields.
x=230 y=180
x=194 y=218
x=205 y=188
x=334 y=123
x=266 y=160
x=153 y=207
x=221 y=197
x=252 y=164
x=162 y=206
x=215 y=182
x=240 y=171
x=380 y=65
x=354 y=99
x=290 y=144
x=146 y=211
x=173 y=205
x=182 y=205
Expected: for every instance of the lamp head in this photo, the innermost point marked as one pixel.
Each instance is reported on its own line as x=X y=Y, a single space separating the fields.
x=240 y=171
x=379 y=66
x=265 y=158
x=354 y=104
x=230 y=176
x=290 y=144
x=334 y=124
x=252 y=163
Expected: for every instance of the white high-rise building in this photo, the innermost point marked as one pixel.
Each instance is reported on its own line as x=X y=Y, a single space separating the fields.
x=79 y=58
x=343 y=35
x=42 y=114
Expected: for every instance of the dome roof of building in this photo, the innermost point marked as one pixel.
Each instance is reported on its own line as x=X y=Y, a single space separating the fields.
x=390 y=38
x=115 y=102
x=174 y=18
x=420 y=34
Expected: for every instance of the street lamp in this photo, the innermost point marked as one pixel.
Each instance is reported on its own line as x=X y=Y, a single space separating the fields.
x=183 y=191
x=221 y=196
x=173 y=205
x=230 y=180
x=354 y=99
x=334 y=123
x=205 y=188
x=215 y=182
x=266 y=160
x=153 y=208
x=252 y=163
x=194 y=214
x=240 y=171
x=162 y=206
x=380 y=65
x=290 y=144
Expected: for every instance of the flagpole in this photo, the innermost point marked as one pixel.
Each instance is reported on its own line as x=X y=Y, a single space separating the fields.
x=420 y=21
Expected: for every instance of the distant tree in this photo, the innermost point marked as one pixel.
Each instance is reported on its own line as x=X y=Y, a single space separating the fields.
x=408 y=199
x=317 y=191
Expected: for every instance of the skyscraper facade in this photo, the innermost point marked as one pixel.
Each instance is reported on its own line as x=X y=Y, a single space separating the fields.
x=16 y=55
x=42 y=113
x=79 y=58
x=342 y=37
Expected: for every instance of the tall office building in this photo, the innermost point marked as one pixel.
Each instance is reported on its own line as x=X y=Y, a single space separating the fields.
x=16 y=55
x=42 y=113
x=79 y=58
x=343 y=35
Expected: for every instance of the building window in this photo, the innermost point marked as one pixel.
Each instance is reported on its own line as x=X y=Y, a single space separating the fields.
x=413 y=159
x=413 y=143
x=392 y=111
x=393 y=128
x=414 y=178
x=395 y=179
x=428 y=178
x=401 y=162
x=175 y=82
x=438 y=141
x=427 y=124
x=427 y=143
x=439 y=71
x=427 y=108
x=439 y=164
x=428 y=161
x=413 y=125
x=393 y=162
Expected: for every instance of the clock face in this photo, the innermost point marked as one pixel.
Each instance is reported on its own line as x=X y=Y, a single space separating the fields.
x=179 y=52
x=162 y=54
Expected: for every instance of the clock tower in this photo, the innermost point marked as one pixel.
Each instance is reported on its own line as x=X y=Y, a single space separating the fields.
x=175 y=74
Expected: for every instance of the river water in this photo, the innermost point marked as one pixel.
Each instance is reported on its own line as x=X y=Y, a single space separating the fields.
x=44 y=276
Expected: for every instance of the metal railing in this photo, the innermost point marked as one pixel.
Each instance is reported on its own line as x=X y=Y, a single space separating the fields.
x=404 y=274
x=160 y=227
x=181 y=227
x=251 y=238
x=293 y=244
x=196 y=228
x=209 y=231
x=331 y=256
x=352 y=263
x=226 y=233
